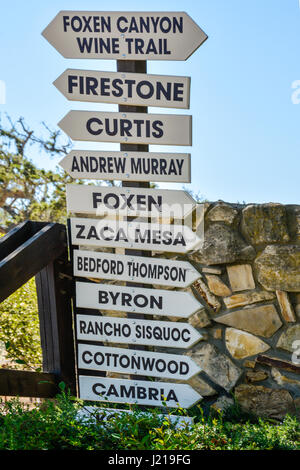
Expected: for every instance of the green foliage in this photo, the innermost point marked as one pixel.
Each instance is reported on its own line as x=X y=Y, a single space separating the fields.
x=19 y=328
x=26 y=191
x=57 y=425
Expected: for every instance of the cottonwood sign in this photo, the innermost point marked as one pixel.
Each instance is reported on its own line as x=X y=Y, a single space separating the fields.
x=124 y=35
x=130 y=88
x=132 y=202
x=129 y=361
x=139 y=392
x=133 y=331
x=131 y=128
x=128 y=166
x=133 y=269
x=136 y=300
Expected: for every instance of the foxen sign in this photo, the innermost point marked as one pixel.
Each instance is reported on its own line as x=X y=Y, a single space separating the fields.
x=129 y=202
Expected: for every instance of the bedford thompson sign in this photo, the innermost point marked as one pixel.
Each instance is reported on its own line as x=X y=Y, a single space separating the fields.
x=128 y=166
x=146 y=270
x=128 y=88
x=131 y=128
x=124 y=35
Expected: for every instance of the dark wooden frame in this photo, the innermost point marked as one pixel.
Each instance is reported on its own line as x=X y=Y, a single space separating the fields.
x=40 y=249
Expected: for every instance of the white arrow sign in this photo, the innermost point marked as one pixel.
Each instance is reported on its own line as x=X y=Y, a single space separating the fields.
x=128 y=361
x=122 y=87
x=146 y=270
x=129 y=128
x=133 y=331
x=139 y=235
x=136 y=300
x=128 y=166
x=140 y=392
x=129 y=202
x=124 y=35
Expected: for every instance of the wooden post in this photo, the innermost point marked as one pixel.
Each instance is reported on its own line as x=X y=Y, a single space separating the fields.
x=56 y=320
x=134 y=66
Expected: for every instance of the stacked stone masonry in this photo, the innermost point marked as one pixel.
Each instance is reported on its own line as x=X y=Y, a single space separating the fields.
x=250 y=292
x=249 y=288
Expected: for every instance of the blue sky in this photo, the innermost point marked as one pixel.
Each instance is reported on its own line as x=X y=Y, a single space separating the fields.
x=246 y=128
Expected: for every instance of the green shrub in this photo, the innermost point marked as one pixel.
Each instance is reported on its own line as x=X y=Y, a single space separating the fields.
x=19 y=328
x=55 y=425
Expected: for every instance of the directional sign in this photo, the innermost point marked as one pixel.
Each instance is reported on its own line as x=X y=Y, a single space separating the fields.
x=129 y=202
x=129 y=88
x=106 y=414
x=128 y=166
x=146 y=270
x=136 y=300
x=129 y=128
x=129 y=361
x=124 y=35
x=139 y=235
x=141 y=392
x=132 y=331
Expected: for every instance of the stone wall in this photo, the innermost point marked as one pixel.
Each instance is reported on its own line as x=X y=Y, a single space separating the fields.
x=250 y=292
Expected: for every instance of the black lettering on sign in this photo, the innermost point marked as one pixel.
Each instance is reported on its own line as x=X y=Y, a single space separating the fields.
x=135 y=392
x=144 y=89
x=125 y=299
x=125 y=127
x=149 y=236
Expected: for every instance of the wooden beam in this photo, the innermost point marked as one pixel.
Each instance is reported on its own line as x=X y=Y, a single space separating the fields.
x=278 y=363
x=28 y=384
x=30 y=257
x=54 y=290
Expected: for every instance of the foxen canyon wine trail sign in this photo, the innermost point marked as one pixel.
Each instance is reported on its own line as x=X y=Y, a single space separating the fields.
x=115 y=233
x=124 y=35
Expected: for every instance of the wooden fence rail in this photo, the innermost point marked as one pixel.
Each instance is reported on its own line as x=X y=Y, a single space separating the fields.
x=40 y=249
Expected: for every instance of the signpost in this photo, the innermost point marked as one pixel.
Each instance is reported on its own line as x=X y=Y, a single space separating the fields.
x=130 y=202
x=128 y=361
x=124 y=35
x=137 y=235
x=142 y=392
x=131 y=88
x=131 y=38
x=133 y=331
x=138 y=269
x=135 y=128
x=128 y=166
x=136 y=300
